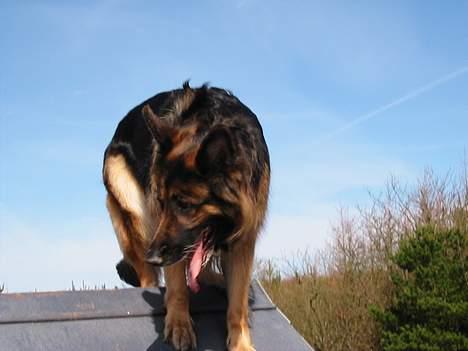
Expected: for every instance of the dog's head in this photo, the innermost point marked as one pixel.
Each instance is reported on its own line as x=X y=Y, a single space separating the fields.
x=192 y=179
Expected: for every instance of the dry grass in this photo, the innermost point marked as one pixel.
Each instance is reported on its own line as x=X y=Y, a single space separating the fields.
x=327 y=296
x=84 y=287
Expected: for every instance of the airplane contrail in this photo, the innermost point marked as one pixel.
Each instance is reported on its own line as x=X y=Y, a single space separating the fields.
x=413 y=94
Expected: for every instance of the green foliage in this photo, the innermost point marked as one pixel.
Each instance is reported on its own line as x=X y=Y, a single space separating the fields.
x=327 y=294
x=429 y=309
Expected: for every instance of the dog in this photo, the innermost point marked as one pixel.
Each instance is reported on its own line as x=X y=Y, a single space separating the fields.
x=187 y=175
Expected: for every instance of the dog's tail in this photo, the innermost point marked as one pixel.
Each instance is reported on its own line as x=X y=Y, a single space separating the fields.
x=127 y=273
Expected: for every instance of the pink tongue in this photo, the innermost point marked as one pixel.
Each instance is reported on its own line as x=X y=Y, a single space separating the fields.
x=195 y=268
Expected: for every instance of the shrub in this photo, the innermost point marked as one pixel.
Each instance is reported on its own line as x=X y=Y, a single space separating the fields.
x=429 y=309
x=327 y=295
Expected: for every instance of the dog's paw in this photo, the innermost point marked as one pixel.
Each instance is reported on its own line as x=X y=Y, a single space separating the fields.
x=178 y=331
x=239 y=340
x=127 y=273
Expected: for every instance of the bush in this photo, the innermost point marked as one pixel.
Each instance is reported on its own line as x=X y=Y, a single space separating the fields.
x=429 y=309
x=327 y=295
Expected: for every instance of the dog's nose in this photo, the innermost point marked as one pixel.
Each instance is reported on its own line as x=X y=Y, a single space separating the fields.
x=156 y=255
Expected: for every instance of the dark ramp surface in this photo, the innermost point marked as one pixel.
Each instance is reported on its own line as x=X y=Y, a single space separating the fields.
x=131 y=319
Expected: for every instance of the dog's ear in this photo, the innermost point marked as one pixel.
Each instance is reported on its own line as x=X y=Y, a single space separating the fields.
x=216 y=152
x=159 y=128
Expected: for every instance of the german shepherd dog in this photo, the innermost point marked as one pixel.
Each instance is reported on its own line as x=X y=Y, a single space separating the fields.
x=187 y=175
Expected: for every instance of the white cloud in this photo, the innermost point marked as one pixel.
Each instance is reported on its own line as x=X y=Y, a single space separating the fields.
x=287 y=234
x=315 y=175
x=50 y=259
x=40 y=258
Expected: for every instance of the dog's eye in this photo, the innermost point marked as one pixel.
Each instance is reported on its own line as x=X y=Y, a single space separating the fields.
x=182 y=204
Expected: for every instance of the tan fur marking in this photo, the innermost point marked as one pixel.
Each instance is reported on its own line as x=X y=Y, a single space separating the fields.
x=183 y=102
x=119 y=226
x=237 y=267
x=182 y=142
x=178 y=324
x=197 y=192
x=262 y=195
x=128 y=193
x=200 y=191
x=123 y=185
x=211 y=210
x=131 y=245
x=190 y=159
x=237 y=263
x=202 y=214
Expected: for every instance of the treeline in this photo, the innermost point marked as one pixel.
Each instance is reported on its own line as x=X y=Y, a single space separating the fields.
x=394 y=277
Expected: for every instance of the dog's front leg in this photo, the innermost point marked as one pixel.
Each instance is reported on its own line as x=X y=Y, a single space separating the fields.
x=178 y=324
x=237 y=264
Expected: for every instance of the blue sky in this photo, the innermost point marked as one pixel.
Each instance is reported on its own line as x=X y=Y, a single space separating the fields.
x=348 y=94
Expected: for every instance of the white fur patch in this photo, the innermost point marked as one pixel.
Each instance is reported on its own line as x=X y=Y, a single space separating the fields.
x=127 y=192
x=124 y=186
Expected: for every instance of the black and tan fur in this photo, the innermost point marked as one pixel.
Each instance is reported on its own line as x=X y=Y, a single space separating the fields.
x=184 y=166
